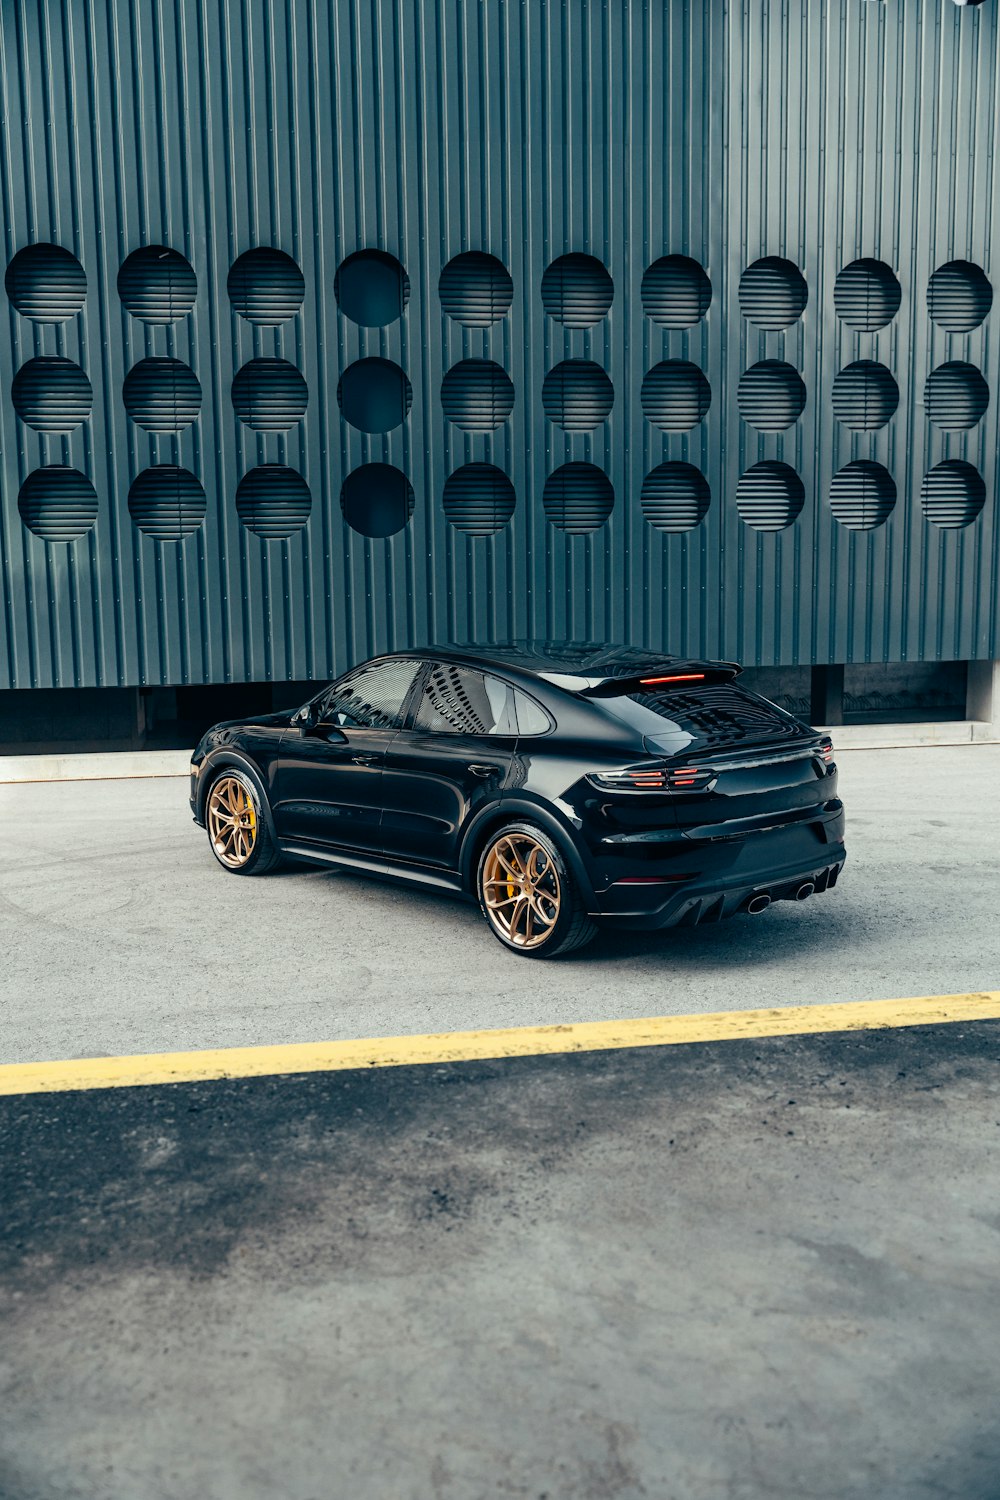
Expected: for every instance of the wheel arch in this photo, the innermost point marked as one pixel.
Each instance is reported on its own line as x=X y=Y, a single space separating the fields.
x=235 y=760
x=516 y=810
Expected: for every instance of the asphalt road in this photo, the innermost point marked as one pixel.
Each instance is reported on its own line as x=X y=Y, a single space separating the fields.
x=740 y=1271
x=119 y=932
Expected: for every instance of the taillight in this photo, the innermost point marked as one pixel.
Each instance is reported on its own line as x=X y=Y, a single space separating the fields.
x=826 y=750
x=653 y=777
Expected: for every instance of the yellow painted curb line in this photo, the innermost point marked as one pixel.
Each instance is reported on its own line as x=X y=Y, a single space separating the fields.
x=467 y=1046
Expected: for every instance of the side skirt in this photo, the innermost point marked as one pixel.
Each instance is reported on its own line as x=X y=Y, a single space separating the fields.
x=441 y=882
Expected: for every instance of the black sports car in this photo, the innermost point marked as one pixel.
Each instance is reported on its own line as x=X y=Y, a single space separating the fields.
x=563 y=787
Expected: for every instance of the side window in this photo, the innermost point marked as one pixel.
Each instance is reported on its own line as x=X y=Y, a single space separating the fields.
x=372 y=699
x=456 y=700
x=530 y=718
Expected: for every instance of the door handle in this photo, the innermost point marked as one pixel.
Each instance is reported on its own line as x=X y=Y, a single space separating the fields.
x=482 y=770
x=363 y=760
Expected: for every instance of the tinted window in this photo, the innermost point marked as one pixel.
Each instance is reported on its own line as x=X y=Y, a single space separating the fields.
x=372 y=699
x=457 y=700
x=531 y=719
x=717 y=714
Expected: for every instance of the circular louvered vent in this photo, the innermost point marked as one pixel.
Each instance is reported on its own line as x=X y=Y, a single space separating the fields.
x=773 y=293
x=478 y=499
x=475 y=289
x=676 y=292
x=771 y=395
x=273 y=501
x=866 y=295
x=477 y=395
x=157 y=284
x=374 y=395
x=51 y=395
x=865 y=395
x=46 y=283
x=265 y=286
x=862 y=494
x=167 y=503
x=675 y=497
x=675 y=395
x=769 y=496
x=371 y=288
x=377 y=500
x=578 y=498
x=577 y=291
x=58 y=504
x=577 y=395
x=269 y=395
x=162 y=395
x=953 y=494
x=956 y=396
x=959 y=296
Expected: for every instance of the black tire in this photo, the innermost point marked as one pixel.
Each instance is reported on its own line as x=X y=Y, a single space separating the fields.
x=264 y=854
x=556 y=891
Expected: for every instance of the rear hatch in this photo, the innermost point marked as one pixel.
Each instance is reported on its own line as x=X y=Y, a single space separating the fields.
x=748 y=764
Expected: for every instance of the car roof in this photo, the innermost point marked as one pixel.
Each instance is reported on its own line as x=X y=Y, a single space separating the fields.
x=552 y=660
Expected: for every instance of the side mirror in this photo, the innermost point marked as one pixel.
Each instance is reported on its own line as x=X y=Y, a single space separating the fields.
x=306 y=717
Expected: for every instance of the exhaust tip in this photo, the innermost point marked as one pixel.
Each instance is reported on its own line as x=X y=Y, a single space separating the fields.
x=758 y=904
x=805 y=889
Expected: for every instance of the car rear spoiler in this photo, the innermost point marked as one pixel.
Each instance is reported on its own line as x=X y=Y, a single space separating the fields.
x=654 y=679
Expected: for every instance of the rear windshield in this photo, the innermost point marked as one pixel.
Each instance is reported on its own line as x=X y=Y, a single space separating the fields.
x=712 y=717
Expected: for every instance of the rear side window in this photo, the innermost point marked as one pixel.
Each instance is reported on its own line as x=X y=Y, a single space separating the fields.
x=372 y=699
x=458 y=700
x=531 y=719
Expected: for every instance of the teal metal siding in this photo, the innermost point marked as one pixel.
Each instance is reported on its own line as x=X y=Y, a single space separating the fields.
x=815 y=132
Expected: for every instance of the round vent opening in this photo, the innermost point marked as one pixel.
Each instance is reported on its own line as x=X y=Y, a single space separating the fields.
x=675 y=395
x=577 y=395
x=377 y=500
x=51 y=395
x=475 y=289
x=771 y=395
x=676 y=292
x=162 y=395
x=167 y=503
x=58 y=504
x=371 y=288
x=265 y=286
x=956 y=396
x=769 y=496
x=959 y=296
x=273 y=501
x=478 y=499
x=866 y=295
x=477 y=395
x=773 y=293
x=577 y=291
x=865 y=396
x=953 y=494
x=374 y=395
x=675 y=497
x=157 y=284
x=862 y=495
x=46 y=283
x=270 y=395
x=578 y=498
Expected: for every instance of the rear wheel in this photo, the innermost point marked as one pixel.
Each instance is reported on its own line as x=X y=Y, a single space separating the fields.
x=238 y=833
x=528 y=895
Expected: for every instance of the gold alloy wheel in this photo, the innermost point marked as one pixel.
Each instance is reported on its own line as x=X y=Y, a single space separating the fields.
x=232 y=821
x=521 y=890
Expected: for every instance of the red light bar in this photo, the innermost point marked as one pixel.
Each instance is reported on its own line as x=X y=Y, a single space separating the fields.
x=677 y=677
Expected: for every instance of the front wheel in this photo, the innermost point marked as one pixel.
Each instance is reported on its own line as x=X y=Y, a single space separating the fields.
x=237 y=830
x=528 y=895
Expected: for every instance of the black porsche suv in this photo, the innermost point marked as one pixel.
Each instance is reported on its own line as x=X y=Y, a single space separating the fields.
x=563 y=787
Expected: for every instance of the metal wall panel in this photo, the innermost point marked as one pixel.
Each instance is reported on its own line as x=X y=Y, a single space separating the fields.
x=624 y=130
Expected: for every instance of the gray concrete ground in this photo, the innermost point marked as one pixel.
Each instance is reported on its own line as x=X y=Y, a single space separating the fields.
x=120 y=933
x=744 y=1271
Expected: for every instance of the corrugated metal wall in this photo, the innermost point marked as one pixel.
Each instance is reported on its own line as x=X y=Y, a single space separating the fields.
x=816 y=133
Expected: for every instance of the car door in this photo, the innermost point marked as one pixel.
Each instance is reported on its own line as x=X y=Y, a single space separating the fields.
x=454 y=757
x=330 y=770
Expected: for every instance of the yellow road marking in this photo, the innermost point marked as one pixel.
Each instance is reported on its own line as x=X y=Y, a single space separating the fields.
x=466 y=1046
